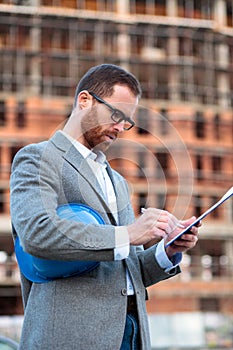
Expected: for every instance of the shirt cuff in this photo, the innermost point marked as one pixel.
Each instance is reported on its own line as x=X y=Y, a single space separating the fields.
x=121 y=250
x=162 y=258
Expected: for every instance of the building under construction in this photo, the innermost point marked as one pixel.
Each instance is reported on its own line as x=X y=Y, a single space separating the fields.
x=179 y=157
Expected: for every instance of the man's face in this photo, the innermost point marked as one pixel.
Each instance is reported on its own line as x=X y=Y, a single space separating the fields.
x=99 y=130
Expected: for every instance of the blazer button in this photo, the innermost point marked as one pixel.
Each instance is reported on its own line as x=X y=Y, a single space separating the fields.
x=124 y=291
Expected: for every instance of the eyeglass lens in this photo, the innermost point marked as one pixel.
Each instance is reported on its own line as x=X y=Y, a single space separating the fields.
x=118 y=117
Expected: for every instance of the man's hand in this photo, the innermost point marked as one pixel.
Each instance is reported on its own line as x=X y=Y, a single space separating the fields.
x=185 y=242
x=151 y=226
x=155 y=224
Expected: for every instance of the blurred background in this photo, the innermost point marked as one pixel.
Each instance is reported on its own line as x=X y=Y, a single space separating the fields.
x=179 y=157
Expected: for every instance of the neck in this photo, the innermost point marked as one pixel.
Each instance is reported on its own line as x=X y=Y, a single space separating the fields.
x=73 y=129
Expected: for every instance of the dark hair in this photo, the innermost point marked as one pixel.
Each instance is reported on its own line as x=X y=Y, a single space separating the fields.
x=102 y=79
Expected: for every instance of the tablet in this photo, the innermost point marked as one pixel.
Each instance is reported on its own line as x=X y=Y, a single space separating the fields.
x=227 y=195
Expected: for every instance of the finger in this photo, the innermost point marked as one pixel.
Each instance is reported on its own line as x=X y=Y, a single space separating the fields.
x=162 y=219
x=162 y=216
x=152 y=213
x=188 y=221
x=189 y=237
x=186 y=240
x=167 y=227
x=163 y=226
x=157 y=232
x=194 y=230
x=169 y=220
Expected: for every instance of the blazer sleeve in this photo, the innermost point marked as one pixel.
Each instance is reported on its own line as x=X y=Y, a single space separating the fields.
x=151 y=271
x=36 y=189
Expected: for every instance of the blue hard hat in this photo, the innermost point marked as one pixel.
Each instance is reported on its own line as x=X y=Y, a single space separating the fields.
x=42 y=270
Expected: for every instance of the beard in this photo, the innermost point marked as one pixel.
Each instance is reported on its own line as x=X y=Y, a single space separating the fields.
x=96 y=136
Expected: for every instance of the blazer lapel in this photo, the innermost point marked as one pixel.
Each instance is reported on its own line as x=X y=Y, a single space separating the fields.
x=79 y=163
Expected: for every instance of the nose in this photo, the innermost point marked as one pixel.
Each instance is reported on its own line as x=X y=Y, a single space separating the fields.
x=119 y=127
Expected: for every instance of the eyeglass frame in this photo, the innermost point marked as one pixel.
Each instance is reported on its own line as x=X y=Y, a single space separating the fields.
x=114 y=110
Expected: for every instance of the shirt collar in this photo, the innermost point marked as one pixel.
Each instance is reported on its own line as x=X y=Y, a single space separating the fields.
x=98 y=156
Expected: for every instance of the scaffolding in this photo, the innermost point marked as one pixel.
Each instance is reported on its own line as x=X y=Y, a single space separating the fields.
x=181 y=51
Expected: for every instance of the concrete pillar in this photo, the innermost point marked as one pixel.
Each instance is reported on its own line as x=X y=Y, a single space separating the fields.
x=173 y=52
x=35 y=43
x=229 y=253
x=123 y=43
x=123 y=7
x=171 y=8
x=223 y=55
x=99 y=38
x=220 y=12
x=5 y=161
x=35 y=3
x=223 y=90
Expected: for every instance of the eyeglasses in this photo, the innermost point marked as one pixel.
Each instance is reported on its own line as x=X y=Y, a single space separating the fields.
x=117 y=116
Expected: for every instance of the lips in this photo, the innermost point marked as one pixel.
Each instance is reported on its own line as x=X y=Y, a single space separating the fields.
x=111 y=136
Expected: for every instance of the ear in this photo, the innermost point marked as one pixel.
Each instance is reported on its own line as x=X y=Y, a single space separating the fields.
x=84 y=99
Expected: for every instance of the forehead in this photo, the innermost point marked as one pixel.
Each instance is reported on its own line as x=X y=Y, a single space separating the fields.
x=121 y=93
x=122 y=98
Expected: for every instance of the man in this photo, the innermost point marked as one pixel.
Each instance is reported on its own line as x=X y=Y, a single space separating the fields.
x=105 y=308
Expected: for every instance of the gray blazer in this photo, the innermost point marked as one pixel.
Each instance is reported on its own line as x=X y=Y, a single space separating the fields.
x=89 y=311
